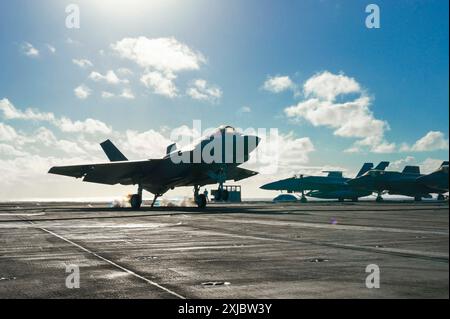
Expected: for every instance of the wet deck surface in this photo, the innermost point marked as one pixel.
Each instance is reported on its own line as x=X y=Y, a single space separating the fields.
x=253 y=250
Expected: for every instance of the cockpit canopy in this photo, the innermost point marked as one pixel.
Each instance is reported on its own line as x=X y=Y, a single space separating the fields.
x=374 y=173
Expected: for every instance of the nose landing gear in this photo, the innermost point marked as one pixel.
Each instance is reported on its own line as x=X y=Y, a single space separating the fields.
x=136 y=199
x=200 y=199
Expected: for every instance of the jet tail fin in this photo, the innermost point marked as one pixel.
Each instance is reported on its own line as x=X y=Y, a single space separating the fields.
x=365 y=168
x=382 y=166
x=411 y=170
x=113 y=153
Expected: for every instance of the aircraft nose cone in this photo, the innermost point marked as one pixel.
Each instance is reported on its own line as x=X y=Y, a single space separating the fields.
x=269 y=186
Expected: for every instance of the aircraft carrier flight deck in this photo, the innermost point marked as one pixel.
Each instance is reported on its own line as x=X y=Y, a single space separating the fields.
x=248 y=250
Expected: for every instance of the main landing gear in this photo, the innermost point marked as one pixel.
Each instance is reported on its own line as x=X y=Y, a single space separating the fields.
x=440 y=197
x=379 y=198
x=136 y=199
x=303 y=199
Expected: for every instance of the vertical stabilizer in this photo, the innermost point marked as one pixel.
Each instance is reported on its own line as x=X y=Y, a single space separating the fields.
x=113 y=153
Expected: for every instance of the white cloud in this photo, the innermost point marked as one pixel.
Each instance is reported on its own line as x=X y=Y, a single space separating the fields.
x=244 y=109
x=162 y=54
x=328 y=86
x=161 y=59
x=51 y=48
x=124 y=71
x=277 y=84
x=73 y=42
x=160 y=83
x=427 y=166
x=46 y=137
x=398 y=165
x=29 y=50
x=384 y=148
x=82 y=92
x=201 y=90
x=127 y=94
x=280 y=154
x=432 y=141
x=351 y=119
x=10 y=112
x=110 y=77
x=7 y=133
x=148 y=144
x=107 y=95
x=7 y=150
x=89 y=125
x=430 y=165
x=82 y=63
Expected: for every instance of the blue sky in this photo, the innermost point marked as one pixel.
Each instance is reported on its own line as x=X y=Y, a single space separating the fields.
x=402 y=68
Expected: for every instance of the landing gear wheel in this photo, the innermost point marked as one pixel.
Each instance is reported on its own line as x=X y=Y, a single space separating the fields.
x=418 y=199
x=441 y=197
x=355 y=199
x=136 y=201
x=303 y=199
x=201 y=201
x=340 y=199
x=379 y=199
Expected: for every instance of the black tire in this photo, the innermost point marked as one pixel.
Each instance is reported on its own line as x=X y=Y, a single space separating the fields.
x=379 y=199
x=341 y=199
x=441 y=197
x=355 y=199
x=418 y=198
x=135 y=201
x=225 y=195
x=303 y=200
x=201 y=201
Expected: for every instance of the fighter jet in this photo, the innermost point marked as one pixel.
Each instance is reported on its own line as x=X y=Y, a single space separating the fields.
x=437 y=180
x=409 y=182
x=332 y=186
x=213 y=159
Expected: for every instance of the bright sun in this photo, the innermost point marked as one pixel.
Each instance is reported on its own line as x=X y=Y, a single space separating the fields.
x=129 y=7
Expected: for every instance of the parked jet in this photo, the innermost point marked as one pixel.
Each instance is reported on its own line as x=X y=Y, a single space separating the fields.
x=213 y=159
x=406 y=183
x=332 y=186
x=437 y=180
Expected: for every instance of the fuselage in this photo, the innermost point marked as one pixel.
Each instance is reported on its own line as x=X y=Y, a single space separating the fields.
x=217 y=154
x=437 y=180
x=395 y=183
x=318 y=186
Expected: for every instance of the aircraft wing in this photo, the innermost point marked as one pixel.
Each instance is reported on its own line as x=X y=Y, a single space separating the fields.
x=128 y=172
x=108 y=173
